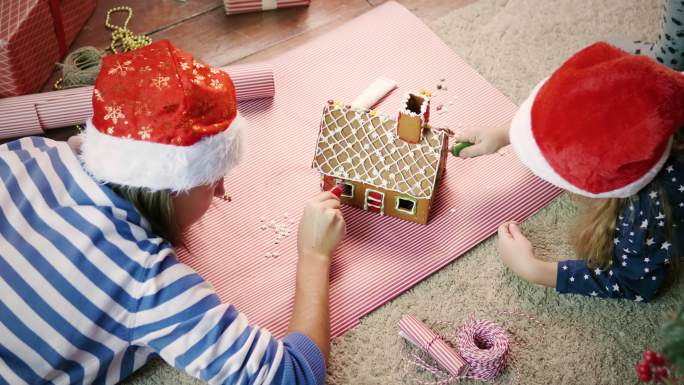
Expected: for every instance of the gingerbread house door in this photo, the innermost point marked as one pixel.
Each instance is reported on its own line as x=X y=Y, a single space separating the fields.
x=375 y=201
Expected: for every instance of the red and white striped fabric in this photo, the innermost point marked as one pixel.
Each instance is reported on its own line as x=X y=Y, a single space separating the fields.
x=381 y=256
x=425 y=339
x=243 y=6
x=32 y=114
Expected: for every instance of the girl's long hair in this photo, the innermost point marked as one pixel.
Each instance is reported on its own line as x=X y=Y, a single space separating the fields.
x=595 y=228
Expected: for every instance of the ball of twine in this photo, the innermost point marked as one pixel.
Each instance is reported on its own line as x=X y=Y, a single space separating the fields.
x=80 y=67
x=483 y=344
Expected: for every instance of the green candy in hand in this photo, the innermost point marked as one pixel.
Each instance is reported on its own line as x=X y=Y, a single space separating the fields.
x=456 y=148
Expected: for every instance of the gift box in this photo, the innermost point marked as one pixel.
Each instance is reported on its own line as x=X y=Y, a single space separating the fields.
x=244 y=6
x=34 y=35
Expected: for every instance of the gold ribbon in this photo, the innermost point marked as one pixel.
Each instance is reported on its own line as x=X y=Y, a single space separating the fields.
x=123 y=39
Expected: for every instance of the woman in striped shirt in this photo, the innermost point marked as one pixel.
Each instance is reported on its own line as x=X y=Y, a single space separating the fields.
x=90 y=291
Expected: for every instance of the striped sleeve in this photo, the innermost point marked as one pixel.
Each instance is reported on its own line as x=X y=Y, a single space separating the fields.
x=181 y=318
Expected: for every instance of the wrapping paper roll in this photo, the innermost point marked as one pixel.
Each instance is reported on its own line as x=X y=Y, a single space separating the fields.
x=428 y=341
x=243 y=6
x=33 y=114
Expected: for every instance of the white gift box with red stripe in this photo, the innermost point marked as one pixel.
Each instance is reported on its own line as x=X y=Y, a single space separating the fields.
x=244 y=6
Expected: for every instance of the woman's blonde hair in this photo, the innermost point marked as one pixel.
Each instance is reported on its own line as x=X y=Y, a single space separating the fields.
x=156 y=207
x=595 y=228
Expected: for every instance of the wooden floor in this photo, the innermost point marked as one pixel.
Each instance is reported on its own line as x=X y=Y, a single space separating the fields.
x=202 y=28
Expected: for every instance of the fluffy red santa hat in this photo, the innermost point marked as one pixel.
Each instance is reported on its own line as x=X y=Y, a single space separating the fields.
x=162 y=120
x=602 y=124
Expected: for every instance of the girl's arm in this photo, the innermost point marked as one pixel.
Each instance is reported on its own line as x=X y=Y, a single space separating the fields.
x=516 y=252
x=641 y=260
x=636 y=275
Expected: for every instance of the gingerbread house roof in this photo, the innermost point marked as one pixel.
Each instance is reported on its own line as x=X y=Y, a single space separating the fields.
x=357 y=145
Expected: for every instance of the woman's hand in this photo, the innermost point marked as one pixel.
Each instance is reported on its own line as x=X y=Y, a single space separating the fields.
x=75 y=142
x=486 y=140
x=321 y=228
x=516 y=252
x=320 y=231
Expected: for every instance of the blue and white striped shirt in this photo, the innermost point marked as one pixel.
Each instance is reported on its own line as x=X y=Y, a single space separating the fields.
x=88 y=294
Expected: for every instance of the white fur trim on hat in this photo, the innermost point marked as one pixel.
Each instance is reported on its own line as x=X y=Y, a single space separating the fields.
x=158 y=166
x=525 y=146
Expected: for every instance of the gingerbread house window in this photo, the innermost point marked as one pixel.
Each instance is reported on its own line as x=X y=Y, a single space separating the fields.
x=348 y=190
x=375 y=201
x=406 y=205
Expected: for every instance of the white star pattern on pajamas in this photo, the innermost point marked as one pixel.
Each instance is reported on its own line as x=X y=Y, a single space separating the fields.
x=642 y=246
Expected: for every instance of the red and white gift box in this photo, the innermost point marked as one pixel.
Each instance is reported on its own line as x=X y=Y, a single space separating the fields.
x=34 y=35
x=244 y=6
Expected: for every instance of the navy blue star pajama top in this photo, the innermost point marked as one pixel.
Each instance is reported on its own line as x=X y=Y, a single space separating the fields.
x=644 y=249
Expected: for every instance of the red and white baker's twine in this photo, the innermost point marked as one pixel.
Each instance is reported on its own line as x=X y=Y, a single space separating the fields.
x=483 y=344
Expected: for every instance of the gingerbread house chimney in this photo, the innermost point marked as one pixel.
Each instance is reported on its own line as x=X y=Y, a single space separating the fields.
x=413 y=116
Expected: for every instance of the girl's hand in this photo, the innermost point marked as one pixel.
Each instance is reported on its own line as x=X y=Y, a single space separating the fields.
x=486 y=140
x=321 y=228
x=516 y=252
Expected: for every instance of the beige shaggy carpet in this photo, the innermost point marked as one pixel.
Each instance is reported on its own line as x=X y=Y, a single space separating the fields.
x=513 y=44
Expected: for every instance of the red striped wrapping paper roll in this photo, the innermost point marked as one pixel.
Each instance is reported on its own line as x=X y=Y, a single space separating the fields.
x=421 y=336
x=243 y=6
x=33 y=114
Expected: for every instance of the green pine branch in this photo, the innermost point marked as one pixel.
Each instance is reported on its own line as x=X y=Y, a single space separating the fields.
x=674 y=341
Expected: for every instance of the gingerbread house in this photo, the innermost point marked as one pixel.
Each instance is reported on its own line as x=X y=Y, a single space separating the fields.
x=389 y=167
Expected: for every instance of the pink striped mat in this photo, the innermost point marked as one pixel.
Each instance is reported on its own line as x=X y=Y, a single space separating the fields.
x=381 y=257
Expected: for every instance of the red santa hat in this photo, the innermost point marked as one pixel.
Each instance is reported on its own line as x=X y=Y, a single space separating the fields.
x=602 y=124
x=162 y=120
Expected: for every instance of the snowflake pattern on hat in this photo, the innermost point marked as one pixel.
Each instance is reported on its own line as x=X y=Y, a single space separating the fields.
x=162 y=120
x=161 y=94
